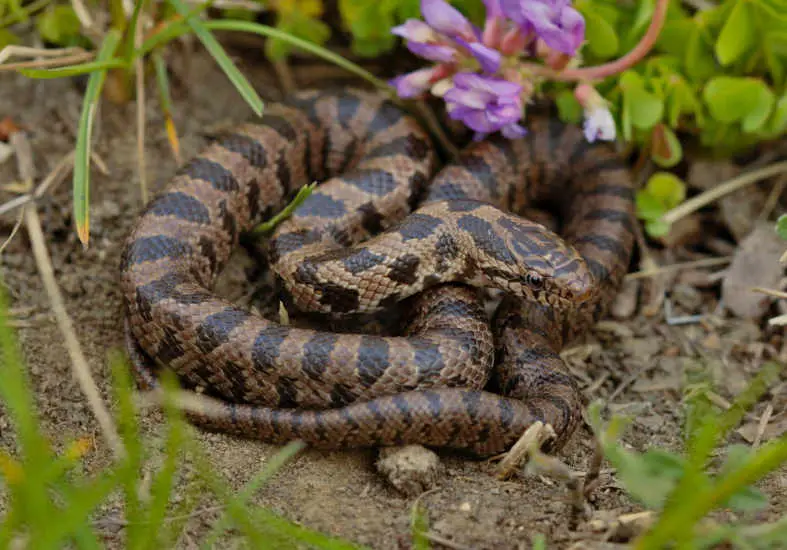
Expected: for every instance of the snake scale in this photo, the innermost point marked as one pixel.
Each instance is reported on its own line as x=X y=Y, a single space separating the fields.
x=385 y=226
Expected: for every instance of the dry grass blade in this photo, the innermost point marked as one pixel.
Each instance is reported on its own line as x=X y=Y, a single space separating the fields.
x=718 y=191
x=706 y=262
x=79 y=364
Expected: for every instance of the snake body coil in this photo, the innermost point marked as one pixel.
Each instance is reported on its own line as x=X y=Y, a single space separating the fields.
x=379 y=229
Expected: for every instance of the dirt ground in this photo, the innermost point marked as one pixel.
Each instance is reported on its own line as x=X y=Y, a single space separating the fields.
x=639 y=364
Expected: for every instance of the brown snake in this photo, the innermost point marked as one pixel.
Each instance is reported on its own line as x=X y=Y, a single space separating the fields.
x=354 y=245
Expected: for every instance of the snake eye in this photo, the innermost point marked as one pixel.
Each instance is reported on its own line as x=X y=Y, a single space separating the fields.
x=534 y=281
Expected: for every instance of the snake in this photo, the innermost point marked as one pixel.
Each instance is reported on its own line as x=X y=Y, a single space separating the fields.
x=386 y=227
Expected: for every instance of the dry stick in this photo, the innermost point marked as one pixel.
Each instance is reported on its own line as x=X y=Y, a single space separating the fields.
x=763 y=423
x=773 y=198
x=140 y=81
x=706 y=262
x=14 y=231
x=47 y=63
x=284 y=73
x=79 y=364
x=770 y=292
x=57 y=175
x=26 y=51
x=739 y=182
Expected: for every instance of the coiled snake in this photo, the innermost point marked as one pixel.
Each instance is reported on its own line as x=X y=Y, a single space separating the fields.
x=354 y=245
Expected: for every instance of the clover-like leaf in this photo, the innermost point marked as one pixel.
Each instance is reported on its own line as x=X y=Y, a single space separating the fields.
x=757 y=117
x=667 y=188
x=730 y=99
x=737 y=35
x=602 y=40
x=666 y=150
x=700 y=62
x=59 y=25
x=642 y=108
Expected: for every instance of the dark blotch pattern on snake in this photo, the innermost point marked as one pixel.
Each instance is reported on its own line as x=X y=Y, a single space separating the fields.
x=355 y=245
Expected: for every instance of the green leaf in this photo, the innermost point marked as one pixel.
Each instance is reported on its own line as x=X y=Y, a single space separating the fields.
x=666 y=188
x=298 y=25
x=245 y=89
x=778 y=123
x=649 y=477
x=602 y=40
x=781 y=226
x=700 y=62
x=74 y=70
x=730 y=99
x=84 y=134
x=569 y=109
x=60 y=25
x=757 y=117
x=666 y=149
x=657 y=228
x=7 y=38
x=738 y=34
x=646 y=109
x=641 y=108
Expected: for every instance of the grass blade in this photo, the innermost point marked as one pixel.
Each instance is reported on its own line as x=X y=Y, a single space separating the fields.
x=214 y=48
x=286 y=212
x=165 y=98
x=262 y=477
x=74 y=70
x=178 y=28
x=84 y=132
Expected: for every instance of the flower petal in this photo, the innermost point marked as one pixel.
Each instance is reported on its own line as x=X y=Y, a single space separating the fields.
x=488 y=58
x=414 y=83
x=446 y=19
x=415 y=30
x=433 y=52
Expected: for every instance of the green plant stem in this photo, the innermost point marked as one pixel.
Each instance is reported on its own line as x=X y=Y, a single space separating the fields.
x=179 y=28
x=764 y=461
x=286 y=212
x=739 y=182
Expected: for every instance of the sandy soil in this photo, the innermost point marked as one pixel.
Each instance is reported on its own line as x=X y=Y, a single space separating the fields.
x=639 y=364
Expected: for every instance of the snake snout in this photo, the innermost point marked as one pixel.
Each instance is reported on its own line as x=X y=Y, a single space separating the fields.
x=580 y=290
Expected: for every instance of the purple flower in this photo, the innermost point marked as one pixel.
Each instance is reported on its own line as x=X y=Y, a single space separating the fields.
x=415 y=83
x=486 y=105
x=442 y=36
x=446 y=19
x=556 y=22
x=488 y=58
x=423 y=41
x=493 y=8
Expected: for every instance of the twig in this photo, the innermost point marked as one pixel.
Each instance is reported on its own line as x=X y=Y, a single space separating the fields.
x=705 y=262
x=26 y=51
x=57 y=175
x=434 y=537
x=534 y=437
x=773 y=198
x=45 y=63
x=140 y=82
x=763 y=423
x=79 y=364
x=15 y=229
x=739 y=182
x=284 y=73
x=770 y=292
